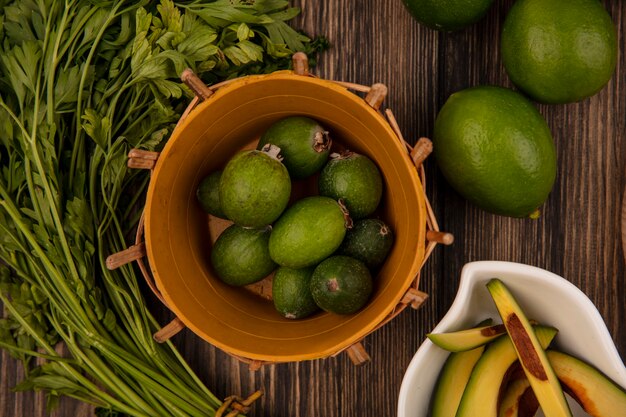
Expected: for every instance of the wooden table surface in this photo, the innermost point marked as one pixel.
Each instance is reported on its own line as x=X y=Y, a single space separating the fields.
x=578 y=235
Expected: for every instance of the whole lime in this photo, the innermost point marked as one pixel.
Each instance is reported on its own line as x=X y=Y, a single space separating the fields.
x=448 y=15
x=496 y=150
x=559 y=51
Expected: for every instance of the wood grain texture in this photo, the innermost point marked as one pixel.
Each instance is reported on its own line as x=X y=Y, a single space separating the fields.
x=578 y=235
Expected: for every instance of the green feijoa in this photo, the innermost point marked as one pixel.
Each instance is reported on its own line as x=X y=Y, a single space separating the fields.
x=355 y=179
x=308 y=232
x=304 y=144
x=208 y=194
x=292 y=294
x=341 y=285
x=240 y=256
x=255 y=187
x=369 y=241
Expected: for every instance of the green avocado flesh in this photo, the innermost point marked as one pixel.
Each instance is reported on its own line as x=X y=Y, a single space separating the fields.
x=467 y=339
x=480 y=397
x=530 y=352
x=254 y=189
x=304 y=143
x=240 y=256
x=341 y=285
x=518 y=400
x=291 y=293
x=597 y=394
x=369 y=241
x=308 y=232
x=452 y=381
x=355 y=179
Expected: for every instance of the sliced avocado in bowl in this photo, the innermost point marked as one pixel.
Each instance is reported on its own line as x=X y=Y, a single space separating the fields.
x=597 y=394
x=530 y=352
x=463 y=340
x=480 y=397
x=518 y=400
x=452 y=381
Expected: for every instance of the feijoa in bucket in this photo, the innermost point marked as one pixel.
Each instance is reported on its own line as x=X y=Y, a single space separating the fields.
x=255 y=187
x=304 y=143
x=240 y=256
x=341 y=285
x=308 y=232
x=208 y=194
x=355 y=179
x=369 y=241
x=292 y=294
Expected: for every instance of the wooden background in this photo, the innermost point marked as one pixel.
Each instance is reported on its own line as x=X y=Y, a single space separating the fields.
x=578 y=235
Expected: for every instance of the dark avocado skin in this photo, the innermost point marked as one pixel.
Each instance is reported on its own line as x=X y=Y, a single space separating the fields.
x=341 y=285
x=369 y=241
x=291 y=293
x=240 y=256
x=208 y=194
x=254 y=189
x=354 y=179
x=295 y=136
x=308 y=232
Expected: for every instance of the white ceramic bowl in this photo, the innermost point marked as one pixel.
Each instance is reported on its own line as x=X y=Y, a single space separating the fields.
x=544 y=296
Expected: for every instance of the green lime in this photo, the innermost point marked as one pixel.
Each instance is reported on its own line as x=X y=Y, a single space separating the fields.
x=559 y=51
x=291 y=293
x=448 y=15
x=496 y=150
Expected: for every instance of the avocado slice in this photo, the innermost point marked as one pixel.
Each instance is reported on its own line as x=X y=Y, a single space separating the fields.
x=597 y=394
x=467 y=339
x=480 y=397
x=452 y=381
x=518 y=400
x=530 y=352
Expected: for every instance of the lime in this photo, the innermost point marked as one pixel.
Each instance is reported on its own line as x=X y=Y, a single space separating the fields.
x=559 y=51
x=496 y=150
x=447 y=15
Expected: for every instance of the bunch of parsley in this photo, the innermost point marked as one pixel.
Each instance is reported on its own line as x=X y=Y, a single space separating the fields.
x=81 y=83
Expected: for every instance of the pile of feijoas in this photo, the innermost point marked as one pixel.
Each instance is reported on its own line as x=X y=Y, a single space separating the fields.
x=323 y=249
